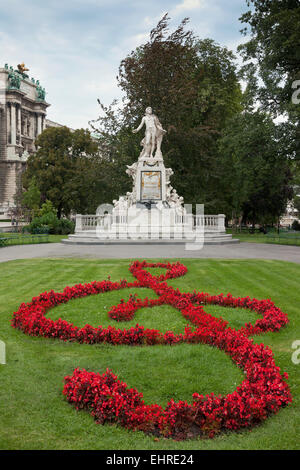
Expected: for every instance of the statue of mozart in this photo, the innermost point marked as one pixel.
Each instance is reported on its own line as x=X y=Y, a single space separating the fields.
x=153 y=135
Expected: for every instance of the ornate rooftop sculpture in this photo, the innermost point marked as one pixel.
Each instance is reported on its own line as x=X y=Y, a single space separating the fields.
x=14 y=79
x=17 y=75
x=22 y=69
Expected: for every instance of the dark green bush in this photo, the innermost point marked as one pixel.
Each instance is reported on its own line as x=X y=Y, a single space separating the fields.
x=49 y=223
x=41 y=229
x=296 y=225
x=65 y=227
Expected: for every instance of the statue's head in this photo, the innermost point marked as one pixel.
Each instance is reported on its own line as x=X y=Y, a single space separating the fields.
x=149 y=110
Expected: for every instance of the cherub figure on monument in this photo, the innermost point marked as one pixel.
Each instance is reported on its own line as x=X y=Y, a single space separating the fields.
x=153 y=135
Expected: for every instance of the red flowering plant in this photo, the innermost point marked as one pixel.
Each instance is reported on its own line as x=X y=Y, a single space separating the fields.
x=263 y=392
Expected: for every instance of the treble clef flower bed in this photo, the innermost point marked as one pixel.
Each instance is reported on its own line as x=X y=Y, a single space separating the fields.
x=262 y=393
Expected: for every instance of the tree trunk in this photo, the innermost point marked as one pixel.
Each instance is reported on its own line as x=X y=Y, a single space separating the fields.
x=59 y=211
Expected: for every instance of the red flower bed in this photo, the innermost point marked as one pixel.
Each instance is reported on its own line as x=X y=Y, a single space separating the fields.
x=263 y=391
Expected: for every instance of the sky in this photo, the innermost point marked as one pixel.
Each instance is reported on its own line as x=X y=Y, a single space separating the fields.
x=74 y=47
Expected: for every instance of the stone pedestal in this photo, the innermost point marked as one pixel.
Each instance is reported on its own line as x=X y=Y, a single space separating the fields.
x=153 y=209
x=150 y=181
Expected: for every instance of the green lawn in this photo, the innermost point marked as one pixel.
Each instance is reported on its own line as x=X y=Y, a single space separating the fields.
x=273 y=238
x=35 y=415
x=24 y=241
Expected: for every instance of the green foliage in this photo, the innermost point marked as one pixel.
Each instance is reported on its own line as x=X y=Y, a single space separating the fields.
x=271 y=65
x=272 y=60
x=47 y=208
x=296 y=201
x=65 y=227
x=296 y=225
x=257 y=176
x=49 y=223
x=36 y=227
x=59 y=167
x=274 y=45
x=32 y=197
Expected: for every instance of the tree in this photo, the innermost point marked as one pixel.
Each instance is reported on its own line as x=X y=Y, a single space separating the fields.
x=274 y=51
x=296 y=185
x=47 y=208
x=192 y=86
x=258 y=179
x=60 y=165
x=32 y=197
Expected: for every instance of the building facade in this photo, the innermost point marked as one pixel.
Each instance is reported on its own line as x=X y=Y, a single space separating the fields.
x=23 y=110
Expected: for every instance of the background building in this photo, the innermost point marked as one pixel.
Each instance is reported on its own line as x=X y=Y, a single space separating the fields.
x=23 y=110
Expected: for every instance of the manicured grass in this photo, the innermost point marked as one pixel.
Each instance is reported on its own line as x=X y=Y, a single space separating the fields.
x=56 y=238
x=274 y=238
x=34 y=413
x=24 y=241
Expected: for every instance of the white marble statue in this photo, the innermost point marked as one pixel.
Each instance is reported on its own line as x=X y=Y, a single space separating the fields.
x=130 y=199
x=168 y=192
x=153 y=135
x=169 y=173
x=121 y=204
x=131 y=171
x=174 y=199
x=174 y=196
x=176 y=202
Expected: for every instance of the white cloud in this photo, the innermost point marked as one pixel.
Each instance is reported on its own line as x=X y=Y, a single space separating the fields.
x=188 y=5
x=137 y=40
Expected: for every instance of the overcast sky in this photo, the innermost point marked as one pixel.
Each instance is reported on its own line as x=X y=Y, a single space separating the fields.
x=74 y=47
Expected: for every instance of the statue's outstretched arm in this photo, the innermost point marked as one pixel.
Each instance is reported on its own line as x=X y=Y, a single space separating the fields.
x=140 y=126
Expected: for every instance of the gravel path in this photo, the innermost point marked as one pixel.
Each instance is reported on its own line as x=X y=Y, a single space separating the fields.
x=238 y=251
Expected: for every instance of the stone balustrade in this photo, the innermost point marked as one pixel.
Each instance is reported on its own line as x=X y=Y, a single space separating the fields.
x=209 y=223
x=88 y=222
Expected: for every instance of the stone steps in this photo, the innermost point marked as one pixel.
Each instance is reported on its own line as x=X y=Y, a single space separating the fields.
x=209 y=239
x=207 y=234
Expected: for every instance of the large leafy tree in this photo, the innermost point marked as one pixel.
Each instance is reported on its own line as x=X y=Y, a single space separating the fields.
x=257 y=175
x=272 y=66
x=274 y=45
x=192 y=86
x=61 y=168
x=273 y=53
x=31 y=199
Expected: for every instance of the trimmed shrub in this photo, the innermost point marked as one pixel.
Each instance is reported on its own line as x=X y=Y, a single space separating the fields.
x=49 y=223
x=296 y=225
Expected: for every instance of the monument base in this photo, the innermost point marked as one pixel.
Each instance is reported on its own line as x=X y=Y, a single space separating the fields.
x=153 y=226
x=153 y=213
x=190 y=244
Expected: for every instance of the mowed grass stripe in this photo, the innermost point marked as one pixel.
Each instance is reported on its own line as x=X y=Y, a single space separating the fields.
x=250 y=279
